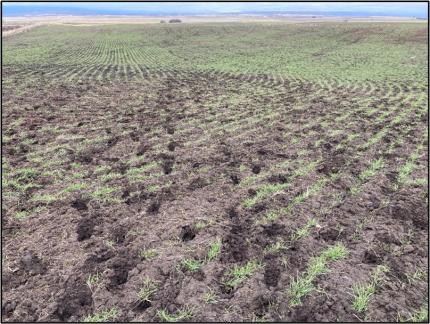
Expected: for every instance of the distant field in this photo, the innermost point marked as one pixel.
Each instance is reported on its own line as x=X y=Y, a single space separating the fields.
x=338 y=52
x=216 y=172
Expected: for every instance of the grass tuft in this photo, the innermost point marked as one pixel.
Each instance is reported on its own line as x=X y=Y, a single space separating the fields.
x=239 y=273
x=181 y=315
x=104 y=316
x=363 y=292
x=302 y=285
x=148 y=254
x=214 y=250
x=191 y=264
x=148 y=289
x=93 y=280
x=421 y=316
x=210 y=297
x=304 y=231
x=275 y=247
x=372 y=170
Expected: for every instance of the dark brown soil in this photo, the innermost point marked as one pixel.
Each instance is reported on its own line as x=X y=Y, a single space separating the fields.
x=75 y=301
x=123 y=172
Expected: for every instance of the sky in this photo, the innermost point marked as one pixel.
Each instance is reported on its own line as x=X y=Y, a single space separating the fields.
x=415 y=9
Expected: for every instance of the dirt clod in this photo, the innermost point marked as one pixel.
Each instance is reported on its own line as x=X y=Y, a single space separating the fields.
x=142 y=149
x=171 y=146
x=118 y=234
x=256 y=169
x=197 y=183
x=75 y=302
x=85 y=228
x=154 y=206
x=187 y=233
x=79 y=204
x=272 y=273
x=235 y=179
x=235 y=247
x=32 y=263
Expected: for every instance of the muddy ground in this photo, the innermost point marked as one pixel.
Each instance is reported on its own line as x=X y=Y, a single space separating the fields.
x=204 y=143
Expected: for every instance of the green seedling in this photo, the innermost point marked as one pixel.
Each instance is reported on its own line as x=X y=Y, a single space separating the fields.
x=191 y=264
x=304 y=231
x=148 y=254
x=363 y=292
x=182 y=314
x=45 y=199
x=93 y=280
x=75 y=187
x=372 y=170
x=420 y=316
x=239 y=273
x=104 y=316
x=149 y=288
x=299 y=287
x=21 y=214
x=275 y=247
x=303 y=284
x=210 y=297
x=214 y=250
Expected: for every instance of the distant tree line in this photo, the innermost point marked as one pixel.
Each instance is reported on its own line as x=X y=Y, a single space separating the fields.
x=171 y=21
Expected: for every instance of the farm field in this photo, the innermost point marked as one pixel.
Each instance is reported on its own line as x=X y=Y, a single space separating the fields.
x=215 y=172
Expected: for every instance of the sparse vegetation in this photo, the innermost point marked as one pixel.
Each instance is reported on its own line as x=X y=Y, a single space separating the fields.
x=148 y=289
x=105 y=194
x=304 y=231
x=93 y=280
x=75 y=187
x=420 y=316
x=218 y=166
x=182 y=314
x=44 y=198
x=238 y=274
x=214 y=250
x=371 y=171
x=148 y=254
x=302 y=285
x=104 y=316
x=191 y=264
x=275 y=247
x=210 y=297
x=406 y=170
x=364 y=291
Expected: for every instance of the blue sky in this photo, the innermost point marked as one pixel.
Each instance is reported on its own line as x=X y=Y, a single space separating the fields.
x=418 y=9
